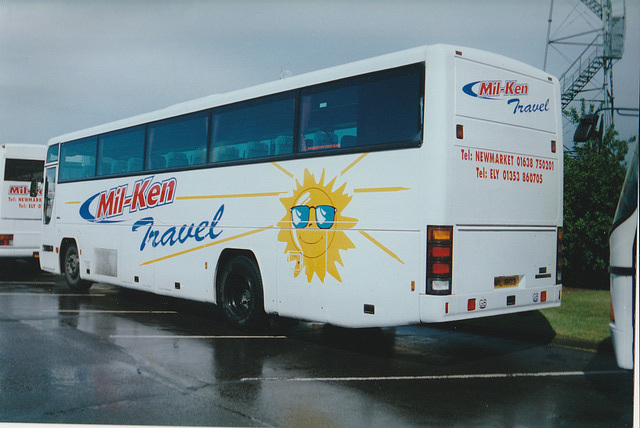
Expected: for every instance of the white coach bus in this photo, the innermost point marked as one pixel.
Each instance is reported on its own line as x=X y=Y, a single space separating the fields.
x=623 y=247
x=420 y=186
x=20 y=213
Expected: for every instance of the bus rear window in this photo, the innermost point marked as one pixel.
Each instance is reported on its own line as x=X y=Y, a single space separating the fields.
x=23 y=170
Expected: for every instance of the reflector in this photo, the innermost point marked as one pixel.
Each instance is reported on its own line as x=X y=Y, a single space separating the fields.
x=612 y=316
x=471 y=304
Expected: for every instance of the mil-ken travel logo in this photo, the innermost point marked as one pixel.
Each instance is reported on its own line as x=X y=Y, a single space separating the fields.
x=501 y=89
x=104 y=206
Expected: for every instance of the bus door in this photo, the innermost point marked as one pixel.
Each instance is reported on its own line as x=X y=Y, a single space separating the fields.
x=49 y=258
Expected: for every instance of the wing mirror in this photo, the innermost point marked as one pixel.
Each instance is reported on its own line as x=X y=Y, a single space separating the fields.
x=589 y=128
x=33 y=189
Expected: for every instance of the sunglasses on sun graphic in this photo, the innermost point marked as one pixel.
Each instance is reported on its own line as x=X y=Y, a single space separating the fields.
x=325 y=216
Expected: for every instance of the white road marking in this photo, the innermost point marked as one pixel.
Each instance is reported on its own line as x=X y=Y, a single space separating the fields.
x=52 y=295
x=432 y=377
x=97 y=311
x=27 y=283
x=133 y=336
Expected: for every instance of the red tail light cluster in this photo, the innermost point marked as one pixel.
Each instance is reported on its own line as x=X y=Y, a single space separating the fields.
x=6 y=240
x=439 y=259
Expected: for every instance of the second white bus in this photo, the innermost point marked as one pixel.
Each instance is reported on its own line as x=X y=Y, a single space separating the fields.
x=20 y=214
x=623 y=268
x=420 y=186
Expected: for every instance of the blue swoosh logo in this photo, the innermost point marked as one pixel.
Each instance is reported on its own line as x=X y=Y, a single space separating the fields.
x=85 y=214
x=468 y=89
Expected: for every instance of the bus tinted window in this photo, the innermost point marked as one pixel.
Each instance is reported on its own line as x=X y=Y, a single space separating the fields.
x=78 y=159
x=379 y=108
x=121 y=152
x=23 y=170
x=178 y=142
x=52 y=153
x=628 y=201
x=254 y=129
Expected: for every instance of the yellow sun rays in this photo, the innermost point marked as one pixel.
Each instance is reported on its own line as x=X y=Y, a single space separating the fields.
x=320 y=248
x=317 y=250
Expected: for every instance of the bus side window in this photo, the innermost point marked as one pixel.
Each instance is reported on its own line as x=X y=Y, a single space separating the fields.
x=171 y=140
x=177 y=159
x=134 y=164
x=199 y=157
x=363 y=111
x=253 y=129
x=283 y=145
x=78 y=159
x=325 y=111
x=226 y=153
x=52 y=153
x=256 y=149
x=121 y=152
x=349 y=141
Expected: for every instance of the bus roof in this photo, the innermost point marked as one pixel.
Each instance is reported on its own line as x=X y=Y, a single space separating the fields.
x=369 y=65
x=23 y=151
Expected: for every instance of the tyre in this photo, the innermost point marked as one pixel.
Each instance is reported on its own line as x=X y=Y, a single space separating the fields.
x=241 y=295
x=72 y=270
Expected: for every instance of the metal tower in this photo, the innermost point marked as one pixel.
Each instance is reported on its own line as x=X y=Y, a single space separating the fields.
x=590 y=38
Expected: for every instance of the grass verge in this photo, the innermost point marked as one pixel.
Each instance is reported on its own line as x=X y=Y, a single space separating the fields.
x=584 y=315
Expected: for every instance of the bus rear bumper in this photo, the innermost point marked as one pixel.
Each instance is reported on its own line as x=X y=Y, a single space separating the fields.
x=498 y=302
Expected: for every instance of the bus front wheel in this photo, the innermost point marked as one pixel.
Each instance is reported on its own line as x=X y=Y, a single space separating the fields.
x=72 y=270
x=241 y=295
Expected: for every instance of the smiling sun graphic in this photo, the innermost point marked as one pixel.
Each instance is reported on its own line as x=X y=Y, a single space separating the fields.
x=313 y=228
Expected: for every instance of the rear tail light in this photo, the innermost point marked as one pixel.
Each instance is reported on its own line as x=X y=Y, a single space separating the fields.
x=6 y=240
x=439 y=259
x=559 y=257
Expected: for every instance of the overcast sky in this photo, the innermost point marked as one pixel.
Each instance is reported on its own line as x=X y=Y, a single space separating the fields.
x=69 y=64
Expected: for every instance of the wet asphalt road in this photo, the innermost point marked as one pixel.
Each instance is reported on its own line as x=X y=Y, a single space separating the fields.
x=114 y=356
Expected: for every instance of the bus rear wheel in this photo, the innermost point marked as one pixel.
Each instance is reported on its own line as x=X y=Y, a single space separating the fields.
x=72 y=270
x=241 y=294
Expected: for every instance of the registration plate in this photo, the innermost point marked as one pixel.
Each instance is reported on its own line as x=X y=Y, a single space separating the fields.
x=506 y=281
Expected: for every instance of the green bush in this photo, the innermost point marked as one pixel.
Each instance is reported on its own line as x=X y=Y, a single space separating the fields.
x=593 y=175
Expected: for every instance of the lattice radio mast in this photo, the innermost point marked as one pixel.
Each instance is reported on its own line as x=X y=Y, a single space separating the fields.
x=590 y=38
